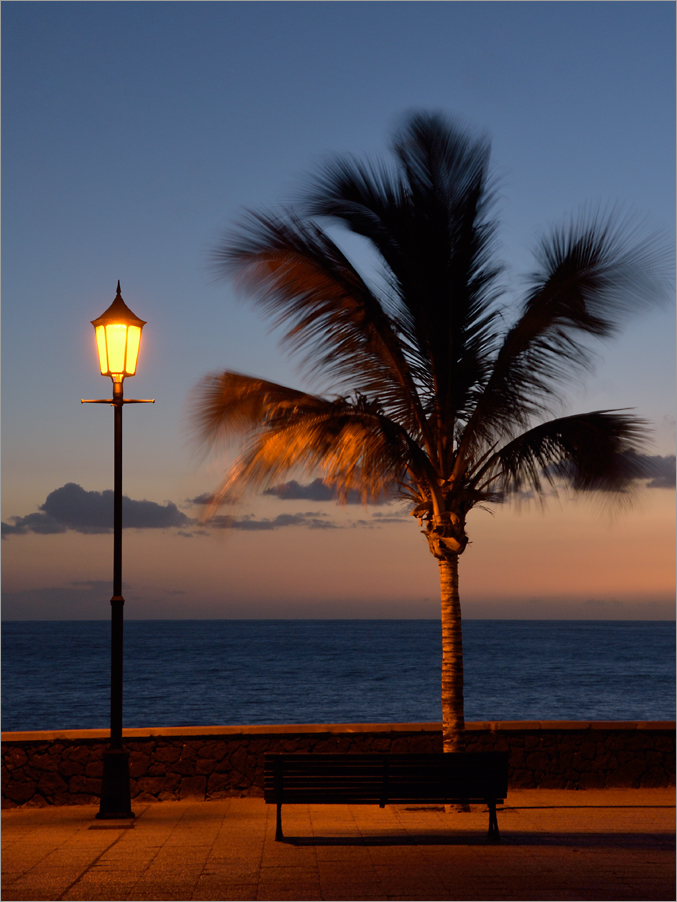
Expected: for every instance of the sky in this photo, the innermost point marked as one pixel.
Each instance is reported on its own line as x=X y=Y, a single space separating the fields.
x=134 y=135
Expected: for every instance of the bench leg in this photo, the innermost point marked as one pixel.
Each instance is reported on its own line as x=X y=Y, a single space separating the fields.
x=278 y=829
x=493 y=823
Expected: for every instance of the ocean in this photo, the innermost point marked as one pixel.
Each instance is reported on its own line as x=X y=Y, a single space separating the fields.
x=55 y=675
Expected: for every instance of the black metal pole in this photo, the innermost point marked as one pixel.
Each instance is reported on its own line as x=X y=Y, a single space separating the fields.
x=115 y=795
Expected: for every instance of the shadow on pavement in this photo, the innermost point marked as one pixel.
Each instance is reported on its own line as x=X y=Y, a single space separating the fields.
x=508 y=837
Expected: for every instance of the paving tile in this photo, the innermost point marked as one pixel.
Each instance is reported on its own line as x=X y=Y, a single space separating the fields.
x=227 y=892
x=303 y=892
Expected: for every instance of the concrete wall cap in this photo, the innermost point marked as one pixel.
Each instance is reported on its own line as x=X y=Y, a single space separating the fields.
x=656 y=725
x=615 y=725
x=299 y=729
x=517 y=725
x=565 y=724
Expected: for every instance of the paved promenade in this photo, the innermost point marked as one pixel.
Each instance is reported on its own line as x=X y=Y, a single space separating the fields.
x=609 y=844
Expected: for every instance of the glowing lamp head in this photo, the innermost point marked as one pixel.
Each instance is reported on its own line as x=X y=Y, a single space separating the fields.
x=118 y=336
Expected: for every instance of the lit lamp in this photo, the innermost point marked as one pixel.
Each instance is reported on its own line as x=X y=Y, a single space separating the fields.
x=118 y=337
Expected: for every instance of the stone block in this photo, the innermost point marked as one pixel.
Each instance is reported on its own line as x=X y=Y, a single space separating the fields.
x=325 y=746
x=167 y=754
x=521 y=779
x=588 y=751
x=399 y=746
x=151 y=785
x=218 y=783
x=654 y=778
x=292 y=745
x=145 y=797
x=68 y=768
x=259 y=746
x=193 y=787
x=87 y=785
x=44 y=762
x=80 y=753
x=239 y=759
x=21 y=792
x=627 y=775
x=94 y=769
x=537 y=761
x=172 y=782
x=84 y=799
x=37 y=801
x=553 y=781
x=205 y=766
x=138 y=764
x=663 y=743
x=595 y=780
x=51 y=783
x=216 y=750
x=16 y=757
x=157 y=770
x=184 y=766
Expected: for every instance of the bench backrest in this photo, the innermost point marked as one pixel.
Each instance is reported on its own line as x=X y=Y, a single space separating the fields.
x=474 y=776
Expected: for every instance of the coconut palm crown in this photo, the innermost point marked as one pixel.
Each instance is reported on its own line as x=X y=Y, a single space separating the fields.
x=436 y=395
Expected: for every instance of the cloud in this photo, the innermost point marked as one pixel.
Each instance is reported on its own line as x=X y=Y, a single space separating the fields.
x=663 y=469
x=315 y=491
x=71 y=507
x=310 y=520
x=209 y=498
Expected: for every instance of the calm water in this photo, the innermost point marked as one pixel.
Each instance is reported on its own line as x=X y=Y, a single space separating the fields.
x=199 y=672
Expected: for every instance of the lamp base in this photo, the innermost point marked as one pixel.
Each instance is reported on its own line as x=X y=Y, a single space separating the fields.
x=115 y=798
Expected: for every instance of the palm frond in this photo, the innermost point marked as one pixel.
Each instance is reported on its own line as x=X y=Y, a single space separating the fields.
x=304 y=281
x=593 y=273
x=428 y=221
x=351 y=443
x=597 y=451
x=227 y=405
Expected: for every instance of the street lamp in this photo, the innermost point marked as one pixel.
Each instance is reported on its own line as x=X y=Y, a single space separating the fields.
x=118 y=337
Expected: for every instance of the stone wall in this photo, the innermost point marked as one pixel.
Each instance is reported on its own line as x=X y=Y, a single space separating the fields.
x=64 y=768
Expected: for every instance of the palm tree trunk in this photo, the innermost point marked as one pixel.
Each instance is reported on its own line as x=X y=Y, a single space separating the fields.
x=453 y=729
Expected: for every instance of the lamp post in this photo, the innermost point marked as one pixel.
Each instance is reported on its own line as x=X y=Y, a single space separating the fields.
x=118 y=337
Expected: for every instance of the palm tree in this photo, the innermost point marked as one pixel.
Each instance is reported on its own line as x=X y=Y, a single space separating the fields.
x=436 y=397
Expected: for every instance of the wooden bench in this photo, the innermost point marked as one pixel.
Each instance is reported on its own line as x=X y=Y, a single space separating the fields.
x=455 y=777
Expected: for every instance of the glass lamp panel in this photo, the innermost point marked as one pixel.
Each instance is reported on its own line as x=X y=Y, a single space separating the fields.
x=101 y=348
x=133 y=342
x=116 y=340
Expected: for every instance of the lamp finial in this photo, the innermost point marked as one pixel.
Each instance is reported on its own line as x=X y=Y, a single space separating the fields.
x=118 y=286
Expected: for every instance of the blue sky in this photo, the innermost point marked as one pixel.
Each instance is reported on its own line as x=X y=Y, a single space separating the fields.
x=135 y=133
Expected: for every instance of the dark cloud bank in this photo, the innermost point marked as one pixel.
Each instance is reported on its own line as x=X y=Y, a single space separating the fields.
x=315 y=491
x=72 y=507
